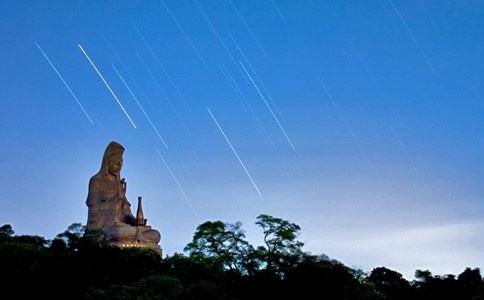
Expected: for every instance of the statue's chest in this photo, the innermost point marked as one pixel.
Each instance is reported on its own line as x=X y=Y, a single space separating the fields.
x=108 y=190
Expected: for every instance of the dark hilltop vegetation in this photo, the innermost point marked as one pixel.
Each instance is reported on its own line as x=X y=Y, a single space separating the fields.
x=219 y=263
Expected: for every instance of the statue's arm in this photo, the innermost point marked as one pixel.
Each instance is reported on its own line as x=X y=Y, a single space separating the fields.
x=96 y=193
x=127 y=215
x=127 y=208
x=92 y=194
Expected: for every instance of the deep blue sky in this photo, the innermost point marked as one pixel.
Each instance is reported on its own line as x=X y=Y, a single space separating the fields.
x=382 y=101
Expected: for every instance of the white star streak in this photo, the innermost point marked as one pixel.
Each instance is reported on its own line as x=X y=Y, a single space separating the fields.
x=107 y=85
x=422 y=4
x=140 y=107
x=237 y=91
x=235 y=152
x=392 y=129
x=238 y=47
x=347 y=125
x=65 y=83
x=162 y=67
x=414 y=39
x=167 y=100
x=278 y=11
x=184 y=33
x=393 y=112
x=182 y=191
x=257 y=78
x=247 y=27
x=268 y=107
x=114 y=52
x=215 y=32
x=152 y=76
x=126 y=71
x=418 y=173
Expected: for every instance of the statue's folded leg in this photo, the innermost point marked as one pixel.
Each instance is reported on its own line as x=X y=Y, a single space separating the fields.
x=152 y=236
x=125 y=233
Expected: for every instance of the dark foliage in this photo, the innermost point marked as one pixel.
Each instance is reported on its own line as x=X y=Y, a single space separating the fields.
x=220 y=264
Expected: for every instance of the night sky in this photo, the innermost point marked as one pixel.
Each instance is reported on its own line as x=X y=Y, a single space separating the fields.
x=361 y=121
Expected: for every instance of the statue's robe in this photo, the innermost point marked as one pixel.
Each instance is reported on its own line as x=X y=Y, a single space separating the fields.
x=102 y=202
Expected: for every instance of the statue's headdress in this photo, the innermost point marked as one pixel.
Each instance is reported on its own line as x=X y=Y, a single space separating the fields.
x=112 y=149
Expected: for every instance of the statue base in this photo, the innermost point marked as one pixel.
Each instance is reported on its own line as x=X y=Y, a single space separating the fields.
x=127 y=236
x=129 y=245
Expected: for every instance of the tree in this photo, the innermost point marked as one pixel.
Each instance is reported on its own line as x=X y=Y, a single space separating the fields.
x=423 y=276
x=208 y=240
x=391 y=283
x=76 y=237
x=280 y=236
x=6 y=231
x=282 y=249
x=330 y=279
x=470 y=278
x=471 y=282
x=72 y=235
x=222 y=243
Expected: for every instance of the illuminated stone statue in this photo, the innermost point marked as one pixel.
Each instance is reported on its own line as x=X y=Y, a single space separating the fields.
x=110 y=211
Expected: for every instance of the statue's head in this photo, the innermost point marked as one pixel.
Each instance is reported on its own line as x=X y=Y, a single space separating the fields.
x=112 y=159
x=115 y=163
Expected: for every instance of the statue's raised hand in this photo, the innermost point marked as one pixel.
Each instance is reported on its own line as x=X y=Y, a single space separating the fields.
x=124 y=186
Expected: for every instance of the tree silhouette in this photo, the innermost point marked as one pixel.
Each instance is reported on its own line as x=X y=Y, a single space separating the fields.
x=6 y=231
x=221 y=265
x=282 y=250
x=223 y=244
x=391 y=283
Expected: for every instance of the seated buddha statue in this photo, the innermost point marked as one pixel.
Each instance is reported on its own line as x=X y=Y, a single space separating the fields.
x=110 y=211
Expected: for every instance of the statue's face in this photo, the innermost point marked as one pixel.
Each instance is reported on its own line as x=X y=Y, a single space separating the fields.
x=115 y=165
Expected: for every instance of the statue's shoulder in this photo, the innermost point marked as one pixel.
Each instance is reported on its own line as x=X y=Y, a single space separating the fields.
x=96 y=180
x=97 y=189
